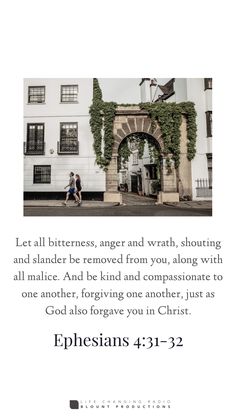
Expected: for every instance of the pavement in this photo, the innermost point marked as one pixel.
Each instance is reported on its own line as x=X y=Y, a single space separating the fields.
x=70 y=204
x=128 y=200
x=135 y=199
x=117 y=211
x=190 y=204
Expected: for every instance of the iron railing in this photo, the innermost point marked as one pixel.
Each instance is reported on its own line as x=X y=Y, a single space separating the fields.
x=33 y=148
x=68 y=147
x=203 y=188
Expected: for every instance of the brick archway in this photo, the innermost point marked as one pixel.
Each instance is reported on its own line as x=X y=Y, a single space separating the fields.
x=130 y=120
x=133 y=122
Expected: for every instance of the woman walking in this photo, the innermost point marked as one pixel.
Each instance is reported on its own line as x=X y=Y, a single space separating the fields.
x=78 y=188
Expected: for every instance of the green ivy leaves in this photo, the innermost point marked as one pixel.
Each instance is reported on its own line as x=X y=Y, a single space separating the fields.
x=167 y=115
x=102 y=115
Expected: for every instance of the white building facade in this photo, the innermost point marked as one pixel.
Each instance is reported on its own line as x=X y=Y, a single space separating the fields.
x=198 y=91
x=58 y=138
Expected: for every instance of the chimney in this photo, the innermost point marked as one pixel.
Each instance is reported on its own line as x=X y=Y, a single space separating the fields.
x=147 y=89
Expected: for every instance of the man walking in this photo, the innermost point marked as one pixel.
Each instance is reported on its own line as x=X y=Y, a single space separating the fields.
x=71 y=190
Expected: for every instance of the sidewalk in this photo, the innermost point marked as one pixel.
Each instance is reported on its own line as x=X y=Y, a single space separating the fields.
x=128 y=202
x=132 y=199
x=71 y=204
x=190 y=204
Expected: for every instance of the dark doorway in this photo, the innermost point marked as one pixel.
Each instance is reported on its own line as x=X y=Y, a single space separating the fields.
x=134 y=184
x=140 y=185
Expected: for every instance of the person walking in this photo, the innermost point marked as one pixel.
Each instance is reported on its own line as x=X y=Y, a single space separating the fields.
x=78 y=188
x=71 y=190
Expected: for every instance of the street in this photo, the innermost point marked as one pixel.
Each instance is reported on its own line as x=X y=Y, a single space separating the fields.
x=118 y=211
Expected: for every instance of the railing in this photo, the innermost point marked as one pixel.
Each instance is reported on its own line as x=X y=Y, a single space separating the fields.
x=68 y=147
x=34 y=149
x=203 y=188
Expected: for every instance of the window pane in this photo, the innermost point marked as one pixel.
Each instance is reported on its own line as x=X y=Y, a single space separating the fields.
x=209 y=165
x=208 y=83
x=69 y=131
x=69 y=93
x=35 y=138
x=135 y=158
x=42 y=174
x=209 y=123
x=36 y=94
x=69 y=137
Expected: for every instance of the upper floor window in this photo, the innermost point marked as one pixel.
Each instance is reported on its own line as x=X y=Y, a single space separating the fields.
x=69 y=93
x=209 y=123
x=209 y=167
x=208 y=83
x=135 y=158
x=42 y=174
x=35 y=139
x=153 y=172
x=36 y=94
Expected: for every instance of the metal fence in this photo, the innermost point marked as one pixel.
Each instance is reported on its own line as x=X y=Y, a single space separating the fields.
x=203 y=188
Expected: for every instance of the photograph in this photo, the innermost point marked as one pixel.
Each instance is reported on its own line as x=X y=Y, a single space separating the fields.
x=125 y=146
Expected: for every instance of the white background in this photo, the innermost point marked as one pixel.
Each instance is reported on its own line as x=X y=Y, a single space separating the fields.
x=117 y=39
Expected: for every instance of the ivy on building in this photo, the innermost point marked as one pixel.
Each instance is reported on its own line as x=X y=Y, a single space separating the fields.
x=167 y=115
x=102 y=115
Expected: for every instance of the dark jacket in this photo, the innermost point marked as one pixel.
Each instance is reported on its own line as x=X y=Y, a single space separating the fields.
x=78 y=184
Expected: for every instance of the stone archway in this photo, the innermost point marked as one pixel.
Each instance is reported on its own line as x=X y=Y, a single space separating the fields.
x=130 y=120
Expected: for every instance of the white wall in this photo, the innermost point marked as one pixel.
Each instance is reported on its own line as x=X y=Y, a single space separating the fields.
x=52 y=113
x=193 y=90
x=197 y=94
x=53 y=105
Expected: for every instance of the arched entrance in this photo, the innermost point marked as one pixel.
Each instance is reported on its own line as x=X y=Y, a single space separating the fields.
x=139 y=164
x=131 y=120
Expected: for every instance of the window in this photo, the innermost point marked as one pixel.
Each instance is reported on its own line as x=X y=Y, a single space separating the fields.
x=153 y=172
x=35 y=139
x=69 y=137
x=42 y=174
x=209 y=167
x=36 y=94
x=209 y=123
x=135 y=158
x=69 y=93
x=208 y=83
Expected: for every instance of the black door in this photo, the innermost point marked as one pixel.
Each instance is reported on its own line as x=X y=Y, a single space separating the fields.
x=134 y=184
x=140 y=186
